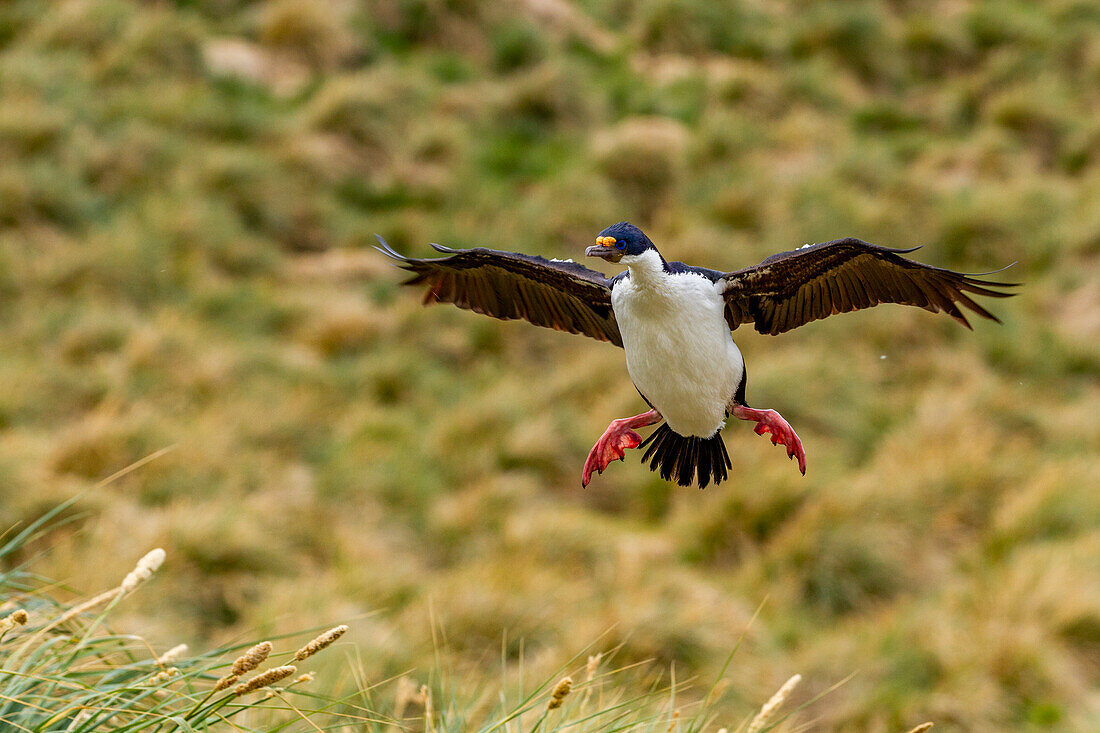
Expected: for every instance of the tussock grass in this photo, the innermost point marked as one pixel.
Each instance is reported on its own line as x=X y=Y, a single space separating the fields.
x=62 y=668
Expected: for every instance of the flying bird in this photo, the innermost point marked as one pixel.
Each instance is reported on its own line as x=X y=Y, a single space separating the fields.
x=674 y=322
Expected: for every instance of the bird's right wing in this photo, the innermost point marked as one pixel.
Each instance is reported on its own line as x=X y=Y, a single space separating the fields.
x=790 y=289
x=558 y=294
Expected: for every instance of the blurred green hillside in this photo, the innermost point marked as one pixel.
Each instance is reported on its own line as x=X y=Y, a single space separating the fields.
x=188 y=195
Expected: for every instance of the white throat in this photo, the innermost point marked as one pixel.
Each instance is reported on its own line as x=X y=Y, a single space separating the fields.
x=645 y=269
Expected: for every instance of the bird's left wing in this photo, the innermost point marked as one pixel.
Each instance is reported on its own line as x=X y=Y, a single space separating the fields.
x=558 y=294
x=790 y=289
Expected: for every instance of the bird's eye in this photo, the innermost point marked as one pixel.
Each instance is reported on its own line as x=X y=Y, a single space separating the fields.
x=620 y=245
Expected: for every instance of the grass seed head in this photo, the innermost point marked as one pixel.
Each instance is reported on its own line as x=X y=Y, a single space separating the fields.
x=592 y=666
x=251 y=659
x=17 y=617
x=772 y=706
x=163 y=676
x=429 y=713
x=560 y=692
x=225 y=682
x=320 y=642
x=144 y=569
x=264 y=679
x=922 y=728
x=590 y=674
x=172 y=654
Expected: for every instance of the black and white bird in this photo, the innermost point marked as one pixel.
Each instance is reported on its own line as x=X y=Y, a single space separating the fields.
x=674 y=322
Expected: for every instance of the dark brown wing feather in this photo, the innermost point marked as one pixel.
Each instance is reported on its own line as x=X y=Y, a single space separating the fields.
x=556 y=294
x=790 y=289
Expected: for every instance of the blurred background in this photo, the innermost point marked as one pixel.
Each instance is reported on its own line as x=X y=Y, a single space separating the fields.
x=188 y=195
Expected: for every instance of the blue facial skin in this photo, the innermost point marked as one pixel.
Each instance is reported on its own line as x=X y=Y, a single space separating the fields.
x=629 y=239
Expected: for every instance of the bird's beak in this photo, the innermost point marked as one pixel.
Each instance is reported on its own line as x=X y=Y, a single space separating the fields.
x=605 y=249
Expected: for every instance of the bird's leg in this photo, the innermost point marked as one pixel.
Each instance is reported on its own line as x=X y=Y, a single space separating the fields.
x=615 y=440
x=770 y=421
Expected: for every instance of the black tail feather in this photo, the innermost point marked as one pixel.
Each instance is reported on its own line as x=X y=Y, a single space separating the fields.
x=687 y=458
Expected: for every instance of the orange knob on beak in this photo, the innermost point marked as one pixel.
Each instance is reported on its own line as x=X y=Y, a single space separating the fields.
x=605 y=248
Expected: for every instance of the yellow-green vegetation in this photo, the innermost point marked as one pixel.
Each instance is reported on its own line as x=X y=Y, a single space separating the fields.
x=188 y=192
x=61 y=669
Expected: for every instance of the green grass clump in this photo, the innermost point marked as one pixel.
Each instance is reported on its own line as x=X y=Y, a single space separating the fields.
x=62 y=668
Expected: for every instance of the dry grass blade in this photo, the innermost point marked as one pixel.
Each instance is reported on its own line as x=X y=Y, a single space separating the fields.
x=429 y=712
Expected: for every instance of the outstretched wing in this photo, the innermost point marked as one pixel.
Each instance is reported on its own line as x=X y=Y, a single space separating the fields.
x=790 y=289
x=553 y=293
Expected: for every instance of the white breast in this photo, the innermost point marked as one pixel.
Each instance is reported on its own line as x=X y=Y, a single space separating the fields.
x=679 y=350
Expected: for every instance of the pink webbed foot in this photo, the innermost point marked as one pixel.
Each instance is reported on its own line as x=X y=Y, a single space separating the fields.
x=615 y=441
x=770 y=421
x=611 y=446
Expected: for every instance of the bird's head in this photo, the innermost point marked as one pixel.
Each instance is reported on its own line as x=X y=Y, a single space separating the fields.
x=619 y=241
